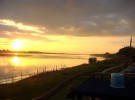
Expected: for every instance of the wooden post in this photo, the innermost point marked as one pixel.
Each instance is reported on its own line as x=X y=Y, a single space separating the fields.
x=45 y=68
x=37 y=71
x=65 y=66
x=61 y=68
x=130 y=48
x=56 y=68
x=12 y=79
x=21 y=76
x=5 y=80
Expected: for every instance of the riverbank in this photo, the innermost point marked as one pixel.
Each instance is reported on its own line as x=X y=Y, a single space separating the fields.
x=35 y=86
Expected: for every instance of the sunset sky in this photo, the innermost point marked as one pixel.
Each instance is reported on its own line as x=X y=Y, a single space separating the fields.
x=68 y=26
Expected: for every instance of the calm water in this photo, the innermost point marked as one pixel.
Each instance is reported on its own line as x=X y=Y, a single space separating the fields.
x=30 y=63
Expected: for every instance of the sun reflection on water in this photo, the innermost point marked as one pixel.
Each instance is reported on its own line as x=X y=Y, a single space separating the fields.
x=16 y=60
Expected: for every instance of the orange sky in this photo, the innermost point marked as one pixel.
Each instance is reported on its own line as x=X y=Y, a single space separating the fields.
x=66 y=44
x=66 y=26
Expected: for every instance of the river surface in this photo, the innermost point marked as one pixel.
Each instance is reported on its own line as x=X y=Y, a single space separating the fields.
x=18 y=64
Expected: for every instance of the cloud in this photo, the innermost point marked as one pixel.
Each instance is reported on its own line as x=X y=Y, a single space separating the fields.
x=21 y=26
x=70 y=17
x=25 y=35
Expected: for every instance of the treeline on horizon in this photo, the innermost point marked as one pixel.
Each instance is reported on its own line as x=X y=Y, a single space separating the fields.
x=125 y=51
x=9 y=51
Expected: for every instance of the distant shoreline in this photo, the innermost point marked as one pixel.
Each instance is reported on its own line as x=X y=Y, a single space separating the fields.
x=38 y=52
x=42 y=55
x=13 y=54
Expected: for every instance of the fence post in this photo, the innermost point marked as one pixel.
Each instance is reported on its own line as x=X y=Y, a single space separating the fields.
x=5 y=80
x=37 y=71
x=56 y=68
x=12 y=79
x=21 y=76
x=45 y=68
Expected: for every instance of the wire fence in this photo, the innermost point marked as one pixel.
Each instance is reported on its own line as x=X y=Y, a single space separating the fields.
x=14 y=78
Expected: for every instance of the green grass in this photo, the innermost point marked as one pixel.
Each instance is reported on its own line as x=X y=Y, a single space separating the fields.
x=35 y=86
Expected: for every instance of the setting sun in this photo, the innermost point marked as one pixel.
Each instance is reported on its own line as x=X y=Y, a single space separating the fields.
x=17 y=45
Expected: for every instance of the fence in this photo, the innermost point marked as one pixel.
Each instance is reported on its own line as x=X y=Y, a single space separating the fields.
x=13 y=79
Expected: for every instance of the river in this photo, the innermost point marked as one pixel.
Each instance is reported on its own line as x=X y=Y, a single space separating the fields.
x=33 y=63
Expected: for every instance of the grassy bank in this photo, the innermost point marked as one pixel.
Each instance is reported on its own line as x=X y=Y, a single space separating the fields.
x=37 y=85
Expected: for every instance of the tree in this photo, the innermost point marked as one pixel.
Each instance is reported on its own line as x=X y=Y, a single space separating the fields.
x=126 y=51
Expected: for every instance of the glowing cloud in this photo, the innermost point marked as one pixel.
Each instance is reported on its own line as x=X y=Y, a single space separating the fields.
x=21 y=26
x=70 y=29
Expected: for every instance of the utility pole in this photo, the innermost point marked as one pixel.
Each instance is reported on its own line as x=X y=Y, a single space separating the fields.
x=130 y=48
x=131 y=42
